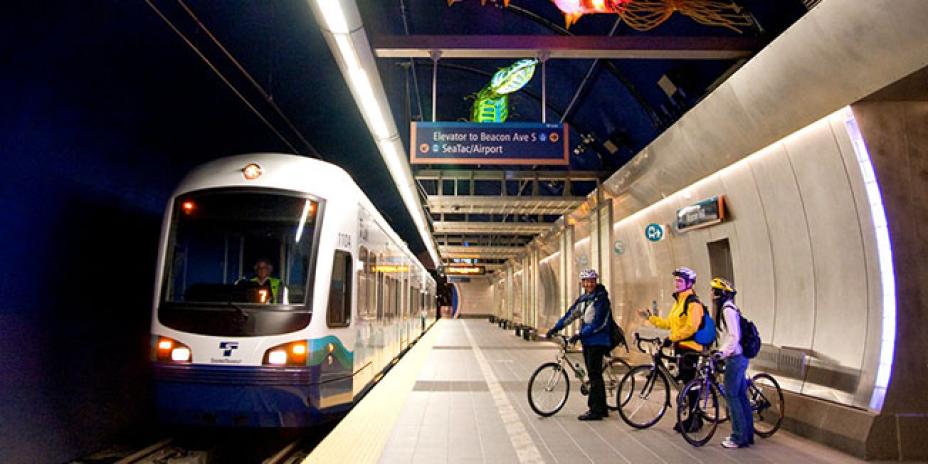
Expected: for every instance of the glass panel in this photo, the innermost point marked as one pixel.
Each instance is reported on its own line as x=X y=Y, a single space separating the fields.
x=238 y=262
x=339 y=310
x=240 y=247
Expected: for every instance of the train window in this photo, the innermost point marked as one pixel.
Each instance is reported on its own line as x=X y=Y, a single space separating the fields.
x=236 y=256
x=339 y=310
x=364 y=284
x=379 y=280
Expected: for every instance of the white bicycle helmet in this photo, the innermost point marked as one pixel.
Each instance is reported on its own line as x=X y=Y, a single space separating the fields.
x=588 y=274
x=686 y=273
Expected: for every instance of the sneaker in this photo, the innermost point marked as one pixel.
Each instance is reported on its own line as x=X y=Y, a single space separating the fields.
x=590 y=416
x=729 y=443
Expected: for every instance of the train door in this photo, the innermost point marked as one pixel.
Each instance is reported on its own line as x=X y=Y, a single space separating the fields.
x=401 y=318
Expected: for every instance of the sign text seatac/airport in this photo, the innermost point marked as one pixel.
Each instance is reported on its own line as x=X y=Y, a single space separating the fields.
x=488 y=143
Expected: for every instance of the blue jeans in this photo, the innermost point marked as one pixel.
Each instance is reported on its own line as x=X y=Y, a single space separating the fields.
x=736 y=386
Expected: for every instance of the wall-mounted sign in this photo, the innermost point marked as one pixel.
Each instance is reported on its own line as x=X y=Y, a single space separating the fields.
x=583 y=261
x=490 y=143
x=654 y=232
x=702 y=214
x=465 y=270
x=618 y=247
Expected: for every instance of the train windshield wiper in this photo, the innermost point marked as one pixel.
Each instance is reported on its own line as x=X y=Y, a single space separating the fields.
x=239 y=309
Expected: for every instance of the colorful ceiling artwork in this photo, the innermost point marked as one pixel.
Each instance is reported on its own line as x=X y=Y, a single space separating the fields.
x=644 y=15
x=492 y=102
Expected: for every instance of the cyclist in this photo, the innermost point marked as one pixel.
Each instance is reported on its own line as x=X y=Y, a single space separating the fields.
x=736 y=387
x=593 y=307
x=683 y=322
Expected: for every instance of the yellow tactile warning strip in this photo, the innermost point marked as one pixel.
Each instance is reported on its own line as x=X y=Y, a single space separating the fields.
x=518 y=435
x=375 y=416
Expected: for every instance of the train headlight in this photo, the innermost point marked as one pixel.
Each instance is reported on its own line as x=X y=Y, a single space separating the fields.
x=278 y=357
x=288 y=354
x=168 y=350
x=180 y=354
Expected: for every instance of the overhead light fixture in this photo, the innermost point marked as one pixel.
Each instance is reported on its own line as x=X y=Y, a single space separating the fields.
x=347 y=40
x=333 y=16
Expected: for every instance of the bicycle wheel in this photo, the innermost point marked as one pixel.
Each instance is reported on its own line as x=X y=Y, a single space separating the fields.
x=766 y=399
x=548 y=388
x=613 y=370
x=643 y=396
x=698 y=411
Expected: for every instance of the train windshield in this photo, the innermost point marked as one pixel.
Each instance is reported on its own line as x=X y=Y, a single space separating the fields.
x=238 y=262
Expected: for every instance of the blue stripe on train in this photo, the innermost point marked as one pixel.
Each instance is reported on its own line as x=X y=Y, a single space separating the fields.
x=242 y=395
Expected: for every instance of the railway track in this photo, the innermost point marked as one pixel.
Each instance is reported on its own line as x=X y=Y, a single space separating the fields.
x=214 y=446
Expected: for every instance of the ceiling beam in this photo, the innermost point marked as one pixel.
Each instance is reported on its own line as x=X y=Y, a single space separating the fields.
x=499 y=228
x=566 y=47
x=492 y=204
x=457 y=251
x=467 y=174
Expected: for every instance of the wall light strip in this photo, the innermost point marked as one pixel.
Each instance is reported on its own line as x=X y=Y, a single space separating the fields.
x=885 y=257
x=349 y=43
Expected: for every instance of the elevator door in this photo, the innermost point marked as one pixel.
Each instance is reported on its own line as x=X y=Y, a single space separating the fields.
x=720 y=260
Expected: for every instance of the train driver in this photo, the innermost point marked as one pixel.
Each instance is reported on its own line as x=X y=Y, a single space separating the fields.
x=268 y=287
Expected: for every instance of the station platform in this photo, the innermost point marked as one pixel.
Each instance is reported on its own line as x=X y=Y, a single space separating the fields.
x=459 y=396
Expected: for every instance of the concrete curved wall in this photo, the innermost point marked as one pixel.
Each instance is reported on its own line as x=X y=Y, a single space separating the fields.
x=803 y=256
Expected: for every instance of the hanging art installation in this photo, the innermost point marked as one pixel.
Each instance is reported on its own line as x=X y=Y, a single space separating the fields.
x=492 y=102
x=644 y=15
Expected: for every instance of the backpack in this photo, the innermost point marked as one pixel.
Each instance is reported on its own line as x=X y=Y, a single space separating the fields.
x=616 y=335
x=705 y=336
x=750 y=337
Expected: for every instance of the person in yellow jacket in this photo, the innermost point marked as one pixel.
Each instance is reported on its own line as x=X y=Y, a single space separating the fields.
x=683 y=322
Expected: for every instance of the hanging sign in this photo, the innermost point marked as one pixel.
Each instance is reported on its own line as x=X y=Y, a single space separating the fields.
x=654 y=232
x=465 y=270
x=513 y=143
x=702 y=214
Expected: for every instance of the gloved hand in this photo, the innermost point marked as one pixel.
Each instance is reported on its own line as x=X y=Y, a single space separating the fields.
x=667 y=343
x=550 y=333
x=574 y=338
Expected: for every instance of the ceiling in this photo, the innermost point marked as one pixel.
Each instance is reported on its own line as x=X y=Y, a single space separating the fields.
x=613 y=107
x=194 y=80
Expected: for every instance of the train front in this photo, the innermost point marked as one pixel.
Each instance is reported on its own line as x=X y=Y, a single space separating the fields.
x=230 y=341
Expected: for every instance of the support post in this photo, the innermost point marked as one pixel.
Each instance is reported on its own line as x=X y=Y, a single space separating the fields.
x=435 y=56
x=543 y=57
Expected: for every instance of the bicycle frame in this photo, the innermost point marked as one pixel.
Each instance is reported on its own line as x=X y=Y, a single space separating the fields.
x=658 y=365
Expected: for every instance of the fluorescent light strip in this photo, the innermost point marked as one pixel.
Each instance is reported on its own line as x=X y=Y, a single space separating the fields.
x=368 y=103
x=885 y=257
x=334 y=16
x=346 y=50
x=377 y=118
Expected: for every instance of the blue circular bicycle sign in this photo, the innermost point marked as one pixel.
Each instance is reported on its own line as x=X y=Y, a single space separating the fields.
x=654 y=232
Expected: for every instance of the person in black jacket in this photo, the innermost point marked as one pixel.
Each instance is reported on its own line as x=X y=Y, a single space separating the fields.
x=594 y=310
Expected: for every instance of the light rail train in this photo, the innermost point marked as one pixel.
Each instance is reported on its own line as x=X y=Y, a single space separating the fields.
x=281 y=294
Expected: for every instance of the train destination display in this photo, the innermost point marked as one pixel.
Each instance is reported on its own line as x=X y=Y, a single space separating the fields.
x=488 y=143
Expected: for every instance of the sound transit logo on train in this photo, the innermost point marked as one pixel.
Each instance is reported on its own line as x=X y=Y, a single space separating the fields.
x=488 y=143
x=227 y=348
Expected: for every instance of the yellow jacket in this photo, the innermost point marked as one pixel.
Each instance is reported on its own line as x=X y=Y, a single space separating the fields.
x=681 y=327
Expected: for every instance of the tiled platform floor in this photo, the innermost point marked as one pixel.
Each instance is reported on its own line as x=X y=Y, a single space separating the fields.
x=451 y=415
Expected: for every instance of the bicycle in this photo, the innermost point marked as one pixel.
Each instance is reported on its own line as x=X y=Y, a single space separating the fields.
x=644 y=392
x=766 y=406
x=549 y=385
